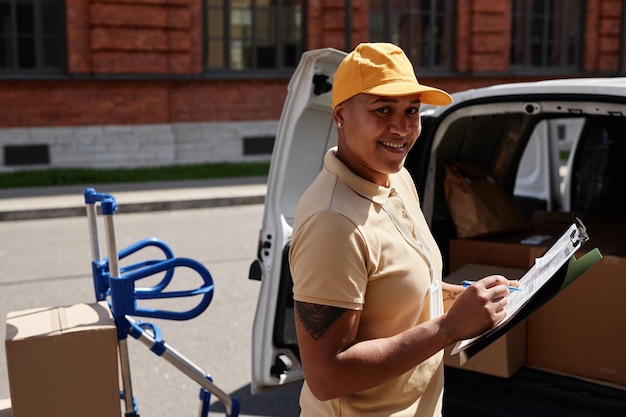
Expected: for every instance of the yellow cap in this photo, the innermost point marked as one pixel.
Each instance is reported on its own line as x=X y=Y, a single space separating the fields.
x=381 y=69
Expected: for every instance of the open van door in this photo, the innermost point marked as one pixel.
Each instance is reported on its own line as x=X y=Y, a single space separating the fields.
x=305 y=132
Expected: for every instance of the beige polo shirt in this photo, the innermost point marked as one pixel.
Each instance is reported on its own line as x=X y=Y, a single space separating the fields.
x=347 y=252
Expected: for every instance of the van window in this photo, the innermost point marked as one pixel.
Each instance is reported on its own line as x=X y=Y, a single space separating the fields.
x=542 y=172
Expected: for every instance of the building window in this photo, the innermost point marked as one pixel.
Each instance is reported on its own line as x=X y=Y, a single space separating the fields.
x=424 y=29
x=32 y=36
x=253 y=34
x=546 y=34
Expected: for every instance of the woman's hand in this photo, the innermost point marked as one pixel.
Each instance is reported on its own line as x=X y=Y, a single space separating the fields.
x=477 y=308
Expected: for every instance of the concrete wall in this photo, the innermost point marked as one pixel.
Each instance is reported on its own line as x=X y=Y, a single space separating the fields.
x=129 y=146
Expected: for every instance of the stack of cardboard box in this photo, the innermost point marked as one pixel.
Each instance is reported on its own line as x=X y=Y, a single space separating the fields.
x=580 y=332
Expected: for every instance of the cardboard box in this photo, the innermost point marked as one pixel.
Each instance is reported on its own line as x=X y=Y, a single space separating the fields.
x=505 y=251
x=62 y=361
x=580 y=332
x=508 y=353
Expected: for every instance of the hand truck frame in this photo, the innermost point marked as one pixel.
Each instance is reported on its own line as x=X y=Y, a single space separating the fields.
x=116 y=285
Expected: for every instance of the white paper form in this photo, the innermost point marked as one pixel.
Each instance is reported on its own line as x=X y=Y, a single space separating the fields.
x=537 y=276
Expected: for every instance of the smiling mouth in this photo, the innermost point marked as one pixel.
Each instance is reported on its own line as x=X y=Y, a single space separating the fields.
x=393 y=145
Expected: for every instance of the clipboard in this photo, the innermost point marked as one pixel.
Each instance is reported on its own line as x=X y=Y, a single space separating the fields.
x=556 y=269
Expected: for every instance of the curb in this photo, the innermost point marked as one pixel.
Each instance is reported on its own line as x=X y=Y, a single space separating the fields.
x=67 y=201
x=77 y=211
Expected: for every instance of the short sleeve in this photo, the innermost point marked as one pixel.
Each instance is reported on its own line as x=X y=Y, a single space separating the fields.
x=327 y=260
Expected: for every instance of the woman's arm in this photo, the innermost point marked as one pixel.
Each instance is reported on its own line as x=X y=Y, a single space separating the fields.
x=337 y=364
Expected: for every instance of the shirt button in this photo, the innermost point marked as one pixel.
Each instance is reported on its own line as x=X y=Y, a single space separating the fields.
x=405 y=214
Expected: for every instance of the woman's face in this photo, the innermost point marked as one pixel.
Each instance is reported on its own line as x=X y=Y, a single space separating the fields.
x=377 y=133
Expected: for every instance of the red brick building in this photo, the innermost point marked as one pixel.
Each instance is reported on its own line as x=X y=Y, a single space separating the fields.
x=190 y=71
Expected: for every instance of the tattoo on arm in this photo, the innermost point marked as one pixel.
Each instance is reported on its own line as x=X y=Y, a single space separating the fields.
x=450 y=296
x=317 y=318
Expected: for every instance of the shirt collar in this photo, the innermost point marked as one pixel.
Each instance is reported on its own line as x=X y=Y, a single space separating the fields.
x=361 y=186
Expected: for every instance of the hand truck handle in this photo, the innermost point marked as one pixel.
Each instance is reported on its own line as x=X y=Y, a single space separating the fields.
x=91 y=198
x=124 y=295
x=136 y=247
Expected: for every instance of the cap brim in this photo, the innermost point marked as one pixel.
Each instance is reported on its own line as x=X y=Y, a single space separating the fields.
x=428 y=95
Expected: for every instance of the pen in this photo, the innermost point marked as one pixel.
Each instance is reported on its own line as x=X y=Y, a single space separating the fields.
x=468 y=283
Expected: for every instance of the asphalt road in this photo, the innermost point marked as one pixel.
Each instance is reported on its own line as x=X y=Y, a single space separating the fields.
x=47 y=263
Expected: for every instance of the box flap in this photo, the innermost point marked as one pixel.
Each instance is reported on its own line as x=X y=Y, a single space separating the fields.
x=37 y=322
x=82 y=317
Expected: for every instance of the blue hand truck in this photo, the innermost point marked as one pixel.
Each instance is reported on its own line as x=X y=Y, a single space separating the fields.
x=116 y=285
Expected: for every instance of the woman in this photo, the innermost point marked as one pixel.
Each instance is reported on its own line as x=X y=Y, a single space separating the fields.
x=367 y=272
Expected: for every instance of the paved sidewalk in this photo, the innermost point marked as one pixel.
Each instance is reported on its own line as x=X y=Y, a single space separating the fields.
x=66 y=201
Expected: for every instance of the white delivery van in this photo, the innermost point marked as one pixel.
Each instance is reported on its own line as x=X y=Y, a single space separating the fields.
x=559 y=147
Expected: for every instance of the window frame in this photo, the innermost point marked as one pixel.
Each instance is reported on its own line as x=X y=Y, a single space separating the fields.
x=527 y=41
x=38 y=37
x=415 y=45
x=279 y=43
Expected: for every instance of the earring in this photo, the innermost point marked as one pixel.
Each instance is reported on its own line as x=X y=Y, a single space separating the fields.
x=340 y=125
